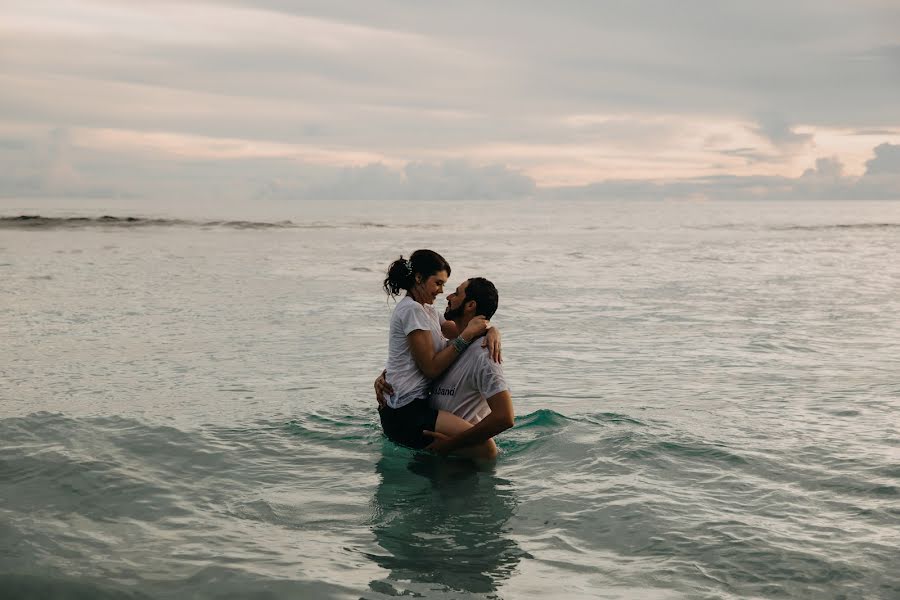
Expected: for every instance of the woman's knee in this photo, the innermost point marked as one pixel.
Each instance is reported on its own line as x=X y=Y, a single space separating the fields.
x=489 y=450
x=449 y=424
x=494 y=450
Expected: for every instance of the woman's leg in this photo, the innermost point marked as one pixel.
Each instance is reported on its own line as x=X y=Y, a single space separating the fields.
x=451 y=425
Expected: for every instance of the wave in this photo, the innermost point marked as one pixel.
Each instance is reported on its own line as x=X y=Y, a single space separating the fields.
x=542 y=418
x=821 y=227
x=21 y=585
x=38 y=222
x=550 y=419
x=838 y=226
x=32 y=222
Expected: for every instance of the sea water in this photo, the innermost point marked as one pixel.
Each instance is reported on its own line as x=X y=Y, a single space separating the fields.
x=707 y=400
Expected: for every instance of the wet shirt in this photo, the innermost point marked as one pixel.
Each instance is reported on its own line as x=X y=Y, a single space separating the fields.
x=464 y=388
x=403 y=374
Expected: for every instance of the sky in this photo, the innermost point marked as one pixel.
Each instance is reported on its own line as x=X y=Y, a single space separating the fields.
x=402 y=99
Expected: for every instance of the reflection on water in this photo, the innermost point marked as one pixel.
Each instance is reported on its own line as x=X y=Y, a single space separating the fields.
x=442 y=524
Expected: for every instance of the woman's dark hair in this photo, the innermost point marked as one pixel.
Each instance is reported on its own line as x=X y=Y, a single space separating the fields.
x=485 y=296
x=401 y=275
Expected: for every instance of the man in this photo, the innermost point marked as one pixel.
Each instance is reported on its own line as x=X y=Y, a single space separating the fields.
x=473 y=387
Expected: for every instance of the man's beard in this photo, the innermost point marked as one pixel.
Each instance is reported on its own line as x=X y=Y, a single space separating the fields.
x=452 y=313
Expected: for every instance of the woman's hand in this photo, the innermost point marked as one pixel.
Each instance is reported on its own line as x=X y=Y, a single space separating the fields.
x=492 y=343
x=440 y=443
x=382 y=387
x=476 y=328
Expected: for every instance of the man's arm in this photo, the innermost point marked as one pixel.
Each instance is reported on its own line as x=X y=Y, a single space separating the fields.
x=500 y=419
x=382 y=387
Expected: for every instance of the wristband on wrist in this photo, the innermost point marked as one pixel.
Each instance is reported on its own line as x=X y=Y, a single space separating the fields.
x=460 y=344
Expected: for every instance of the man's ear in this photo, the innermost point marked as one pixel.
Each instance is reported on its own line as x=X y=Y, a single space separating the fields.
x=471 y=305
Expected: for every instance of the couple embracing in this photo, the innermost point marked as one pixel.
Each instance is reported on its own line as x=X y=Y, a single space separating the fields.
x=443 y=388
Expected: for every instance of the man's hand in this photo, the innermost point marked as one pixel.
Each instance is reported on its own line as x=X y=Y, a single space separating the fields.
x=440 y=443
x=492 y=343
x=382 y=387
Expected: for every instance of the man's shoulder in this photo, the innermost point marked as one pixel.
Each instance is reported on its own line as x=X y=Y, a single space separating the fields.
x=481 y=357
x=487 y=375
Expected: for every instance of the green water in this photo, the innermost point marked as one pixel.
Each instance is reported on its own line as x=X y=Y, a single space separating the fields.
x=706 y=407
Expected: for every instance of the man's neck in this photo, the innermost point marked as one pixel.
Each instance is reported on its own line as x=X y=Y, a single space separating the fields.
x=461 y=322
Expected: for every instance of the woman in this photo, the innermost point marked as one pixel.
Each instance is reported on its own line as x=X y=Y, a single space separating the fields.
x=418 y=352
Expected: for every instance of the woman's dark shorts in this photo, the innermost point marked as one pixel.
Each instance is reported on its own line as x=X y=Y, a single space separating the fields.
x=404 y=425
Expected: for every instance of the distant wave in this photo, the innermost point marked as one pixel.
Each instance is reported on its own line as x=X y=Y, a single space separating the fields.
x=832 y=226
x=37 y=222
x=838 y=226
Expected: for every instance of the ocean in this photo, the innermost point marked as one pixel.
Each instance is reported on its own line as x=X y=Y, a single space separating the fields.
x=707 y=399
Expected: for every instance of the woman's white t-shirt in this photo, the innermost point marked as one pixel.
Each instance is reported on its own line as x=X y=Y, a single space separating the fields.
x=404 y=376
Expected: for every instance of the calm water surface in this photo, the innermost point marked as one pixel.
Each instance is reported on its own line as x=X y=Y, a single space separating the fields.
x=706 y=394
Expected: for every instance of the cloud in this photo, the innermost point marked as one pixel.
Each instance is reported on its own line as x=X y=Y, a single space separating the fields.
x=61 y=162
x=780 y=133
x=357 y=94
x=750 y=155
x=448 y=180
x=51 y=166
x=455 y=180
x=887 y=160
x=826 y=180
x=77 y=163
x=829 y=168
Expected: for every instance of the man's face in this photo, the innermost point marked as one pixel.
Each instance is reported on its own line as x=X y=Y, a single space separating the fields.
x=456 y=301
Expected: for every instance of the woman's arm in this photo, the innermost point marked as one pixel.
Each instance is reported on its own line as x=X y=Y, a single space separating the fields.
x=491 y=339
x=449 y=329
x=492 y=343
x=432 y=363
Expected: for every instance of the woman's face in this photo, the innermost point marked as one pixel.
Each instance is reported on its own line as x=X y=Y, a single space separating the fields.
x=431 y=288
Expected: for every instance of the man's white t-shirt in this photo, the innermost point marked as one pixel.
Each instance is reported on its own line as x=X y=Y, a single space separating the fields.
x=403 y=374
x=464 y=388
